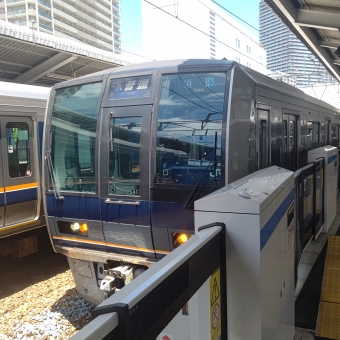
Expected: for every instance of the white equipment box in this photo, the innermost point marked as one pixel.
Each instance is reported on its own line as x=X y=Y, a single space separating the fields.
x=258 y=213
x=330 y=153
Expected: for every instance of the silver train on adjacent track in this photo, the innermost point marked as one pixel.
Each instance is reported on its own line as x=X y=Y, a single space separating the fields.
x=22 y=112
x=128 y=151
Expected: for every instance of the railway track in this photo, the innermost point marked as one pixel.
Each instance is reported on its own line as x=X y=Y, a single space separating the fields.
x=38 y=298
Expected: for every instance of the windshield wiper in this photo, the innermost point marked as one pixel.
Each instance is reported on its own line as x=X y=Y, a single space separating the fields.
x=189 y=203
x=56 y=191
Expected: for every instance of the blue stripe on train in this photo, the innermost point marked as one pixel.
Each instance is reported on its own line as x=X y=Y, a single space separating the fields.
x=23 y=195
x=74 y=207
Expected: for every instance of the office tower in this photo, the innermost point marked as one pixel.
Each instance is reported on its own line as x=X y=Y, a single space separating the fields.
x=287 y=56
x=184 y=29
x=94 y=22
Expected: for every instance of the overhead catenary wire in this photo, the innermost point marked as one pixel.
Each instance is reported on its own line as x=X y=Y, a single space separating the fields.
x=138 y=55
x=206 y=34
x=176 y=4
x=235 y=16
x=221 y=42
x=262 y=32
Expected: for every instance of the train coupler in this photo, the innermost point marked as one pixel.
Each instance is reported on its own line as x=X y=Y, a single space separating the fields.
x=116 y=278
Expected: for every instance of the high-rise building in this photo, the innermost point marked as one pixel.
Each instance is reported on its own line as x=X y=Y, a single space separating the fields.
x=183 y=29
x=94 y=22
x=286 y=54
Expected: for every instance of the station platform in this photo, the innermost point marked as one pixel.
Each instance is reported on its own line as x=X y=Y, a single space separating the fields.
x=317 y=292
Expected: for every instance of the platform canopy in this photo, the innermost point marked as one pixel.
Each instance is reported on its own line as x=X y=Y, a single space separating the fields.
x=317 y=24
x=35 y=58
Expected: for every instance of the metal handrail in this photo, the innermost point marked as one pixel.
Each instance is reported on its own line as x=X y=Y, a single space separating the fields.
x=114 y=316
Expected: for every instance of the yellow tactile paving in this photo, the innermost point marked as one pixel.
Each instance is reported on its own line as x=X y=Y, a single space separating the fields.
x=328 y=326
x=333 y=255
x=331 y=295
x=333 y=264
x=328 y=321
x=330 y=283
x=334 y=241
x=332 y=273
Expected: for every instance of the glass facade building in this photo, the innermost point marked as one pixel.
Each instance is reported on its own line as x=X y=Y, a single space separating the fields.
x=286 y=54
x=94 y=22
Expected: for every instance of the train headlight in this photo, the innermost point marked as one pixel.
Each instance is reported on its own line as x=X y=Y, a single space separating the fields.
x=73 y=228
x=180 y=238
x=84 y=228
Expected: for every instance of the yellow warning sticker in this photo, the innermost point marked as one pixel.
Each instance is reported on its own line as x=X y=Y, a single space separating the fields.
x=215 y=305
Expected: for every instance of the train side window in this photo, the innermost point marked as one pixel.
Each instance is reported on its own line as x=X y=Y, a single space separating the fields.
x=284 y=143
x=322 y=135
x=327 y=132
x=312 y=135
x=263 y=132
x=292 y=145
x=124 y=157
x=18 y=150
x=334 y=135
x=189 y=132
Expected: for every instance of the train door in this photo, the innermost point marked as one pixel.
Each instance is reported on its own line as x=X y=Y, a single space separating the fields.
x=290 y=142
x=126 y=206
x=263 y=138
x=20 y=178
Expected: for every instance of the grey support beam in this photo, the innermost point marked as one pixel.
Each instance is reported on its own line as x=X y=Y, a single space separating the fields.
x=333 y=44
x=44 y=68
x=317 y=19
x=290 y=15
x=7 y=62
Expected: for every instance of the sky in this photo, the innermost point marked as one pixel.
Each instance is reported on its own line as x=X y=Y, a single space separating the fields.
x=247 y=10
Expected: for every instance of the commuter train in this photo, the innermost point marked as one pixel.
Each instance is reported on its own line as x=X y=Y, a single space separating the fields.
x=22 y=112
x=128 y=150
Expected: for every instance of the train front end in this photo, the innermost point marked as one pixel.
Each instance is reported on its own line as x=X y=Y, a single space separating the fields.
x=126 y=154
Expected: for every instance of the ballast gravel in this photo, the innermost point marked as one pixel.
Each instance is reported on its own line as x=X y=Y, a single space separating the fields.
x=49 y=309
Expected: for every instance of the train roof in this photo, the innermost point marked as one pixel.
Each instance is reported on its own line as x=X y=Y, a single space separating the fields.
x=178 y=64
x=24 y=91
x=164 y=65
x=279 y=86
x=174 y=65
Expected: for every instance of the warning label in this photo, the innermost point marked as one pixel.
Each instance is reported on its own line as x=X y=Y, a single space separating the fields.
x=215 y=303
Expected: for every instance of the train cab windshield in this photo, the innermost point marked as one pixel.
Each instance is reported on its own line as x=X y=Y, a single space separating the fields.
x=73 y=136
x=189 y=128
x=188 y=133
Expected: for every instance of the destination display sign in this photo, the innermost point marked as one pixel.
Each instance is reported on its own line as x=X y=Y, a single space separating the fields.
x=133 y=87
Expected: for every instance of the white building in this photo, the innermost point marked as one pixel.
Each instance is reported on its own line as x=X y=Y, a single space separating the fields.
x=197 y=29
x=94 y=22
